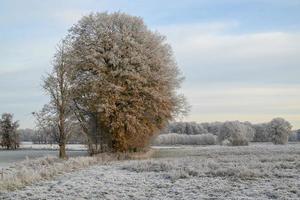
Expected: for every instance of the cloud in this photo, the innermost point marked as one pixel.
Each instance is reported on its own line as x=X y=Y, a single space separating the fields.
x=185 y=32
x=69 y=17
x=216 y=52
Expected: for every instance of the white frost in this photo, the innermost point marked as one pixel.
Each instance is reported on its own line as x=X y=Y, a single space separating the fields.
x=257 y=171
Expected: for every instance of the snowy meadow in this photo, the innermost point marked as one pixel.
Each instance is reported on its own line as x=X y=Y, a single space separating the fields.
x=113 y=118
x=257 y=171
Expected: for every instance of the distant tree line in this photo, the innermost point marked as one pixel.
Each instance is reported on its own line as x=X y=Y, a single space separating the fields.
x=255 y=132
x=11 y=136
x=38 y=136
x=183 y=139
x=277 y=131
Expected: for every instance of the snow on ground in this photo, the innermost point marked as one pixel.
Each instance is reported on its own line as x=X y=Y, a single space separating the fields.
x=258 y=171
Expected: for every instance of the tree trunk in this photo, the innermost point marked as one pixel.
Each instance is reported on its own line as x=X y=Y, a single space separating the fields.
x=62 y=151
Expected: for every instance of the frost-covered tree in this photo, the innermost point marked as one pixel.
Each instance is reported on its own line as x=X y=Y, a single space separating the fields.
x=261 y=133
x=26 y=134
x=293 y=137
x=178 y=127
x=55 y=116
x=46 y=125
x=189 y=128
x=193 y=128
x=279 y=130
x=249 y=131
x=235 y=133
x=8 y=132
x=124 y=80
x=213 y=127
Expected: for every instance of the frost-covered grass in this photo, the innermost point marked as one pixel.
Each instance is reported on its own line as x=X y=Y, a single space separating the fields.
x=32 y=170
x=247 y=162
x=258 y=171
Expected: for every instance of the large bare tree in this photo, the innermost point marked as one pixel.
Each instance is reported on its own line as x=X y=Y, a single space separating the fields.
x=56 y=116
x=123 y=80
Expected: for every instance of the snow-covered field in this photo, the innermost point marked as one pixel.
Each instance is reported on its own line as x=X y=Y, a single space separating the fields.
x=258 y=171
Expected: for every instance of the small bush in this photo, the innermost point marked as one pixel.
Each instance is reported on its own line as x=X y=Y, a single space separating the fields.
x=179 y=139
x=169 y=169
x=261 y=133
x=293 y=137
x=235 y=133
x=148 y=166
x=279 y=130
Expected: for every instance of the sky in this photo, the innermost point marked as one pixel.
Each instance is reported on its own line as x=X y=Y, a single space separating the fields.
x=240 y=58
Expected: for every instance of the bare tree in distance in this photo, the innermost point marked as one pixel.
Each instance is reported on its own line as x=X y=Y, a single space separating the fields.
x=8 y=132
x=46 y=124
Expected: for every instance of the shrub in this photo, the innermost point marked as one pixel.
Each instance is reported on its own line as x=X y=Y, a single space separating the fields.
x=261 y=134
x=249 y=131
x=293 y=137
x=279 y=130
x=148 y=166
x=180 y=139
x=235 y=133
